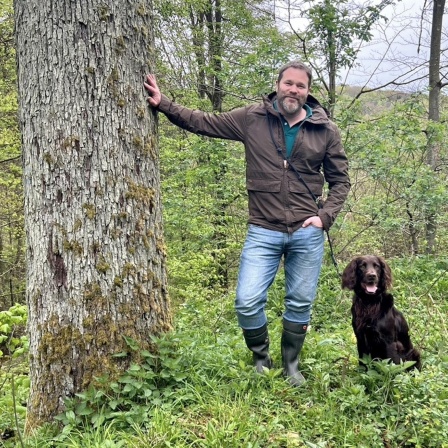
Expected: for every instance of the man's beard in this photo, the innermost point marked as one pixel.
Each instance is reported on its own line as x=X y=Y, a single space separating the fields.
x=291 y=107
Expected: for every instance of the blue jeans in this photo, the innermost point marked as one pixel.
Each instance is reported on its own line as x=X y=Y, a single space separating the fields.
x=260 y=260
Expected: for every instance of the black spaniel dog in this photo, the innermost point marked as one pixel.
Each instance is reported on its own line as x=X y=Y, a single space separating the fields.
x=381 y=330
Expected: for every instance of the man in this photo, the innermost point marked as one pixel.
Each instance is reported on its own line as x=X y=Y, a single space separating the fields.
x=286 y=136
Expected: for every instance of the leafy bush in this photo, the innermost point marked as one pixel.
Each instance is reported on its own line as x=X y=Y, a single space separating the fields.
x=13 y=340
x=129 y=400
x=14 y=380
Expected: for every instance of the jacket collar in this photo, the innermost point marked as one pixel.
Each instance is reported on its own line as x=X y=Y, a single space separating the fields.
x=320 y=114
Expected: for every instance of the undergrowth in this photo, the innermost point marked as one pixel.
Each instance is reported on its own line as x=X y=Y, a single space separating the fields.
x=200 y=390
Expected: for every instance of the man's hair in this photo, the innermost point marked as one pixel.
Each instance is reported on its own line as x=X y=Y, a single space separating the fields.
x=299 y=66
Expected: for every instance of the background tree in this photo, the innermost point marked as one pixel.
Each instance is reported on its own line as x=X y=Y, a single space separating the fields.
x=330 y=35
x=411 y=59
x=433 y=131
x=95 y=248
x=12 y=269
x=392 y=186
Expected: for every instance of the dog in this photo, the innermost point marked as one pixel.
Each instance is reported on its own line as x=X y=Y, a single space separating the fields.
x=381 y=330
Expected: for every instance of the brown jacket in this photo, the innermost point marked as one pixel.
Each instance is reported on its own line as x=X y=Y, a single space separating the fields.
x=278 y=200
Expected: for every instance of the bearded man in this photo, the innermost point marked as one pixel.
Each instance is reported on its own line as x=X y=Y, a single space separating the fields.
x=291 y=149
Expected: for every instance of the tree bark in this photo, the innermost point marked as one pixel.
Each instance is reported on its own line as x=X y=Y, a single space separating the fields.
x=435 y=88
x=93 y=217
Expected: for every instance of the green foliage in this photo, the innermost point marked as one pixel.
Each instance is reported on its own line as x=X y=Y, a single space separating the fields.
x=204 y=195
x=336 y=28
x=393 y=188
x=13 y=340
x=131 y=398
x=14 y=381
x=14 y=390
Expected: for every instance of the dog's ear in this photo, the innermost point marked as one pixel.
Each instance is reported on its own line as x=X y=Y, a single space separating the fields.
x=349 y=275
x=386 y=278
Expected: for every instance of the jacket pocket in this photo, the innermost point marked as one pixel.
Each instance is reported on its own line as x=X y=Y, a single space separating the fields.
x=297 y=186
x=269 y=186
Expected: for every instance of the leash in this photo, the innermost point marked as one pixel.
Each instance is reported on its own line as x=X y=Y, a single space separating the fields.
x=315 y=198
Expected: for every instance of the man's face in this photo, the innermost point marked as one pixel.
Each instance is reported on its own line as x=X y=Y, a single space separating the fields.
x=292 y=91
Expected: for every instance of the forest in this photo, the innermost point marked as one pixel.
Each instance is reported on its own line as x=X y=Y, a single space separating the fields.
x=136 y=343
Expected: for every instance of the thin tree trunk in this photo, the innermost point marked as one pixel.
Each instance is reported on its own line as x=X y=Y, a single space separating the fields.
x=95 y=249
x=413 y=234
x=435 y=88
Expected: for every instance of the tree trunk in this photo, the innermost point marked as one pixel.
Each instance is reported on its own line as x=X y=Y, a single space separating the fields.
x=435 y=88
x=95 y=249
x=206 y=29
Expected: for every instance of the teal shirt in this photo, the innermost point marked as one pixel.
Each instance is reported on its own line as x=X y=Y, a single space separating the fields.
x=291 y=132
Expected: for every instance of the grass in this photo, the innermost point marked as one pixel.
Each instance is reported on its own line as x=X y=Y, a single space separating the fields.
x=209 y=396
